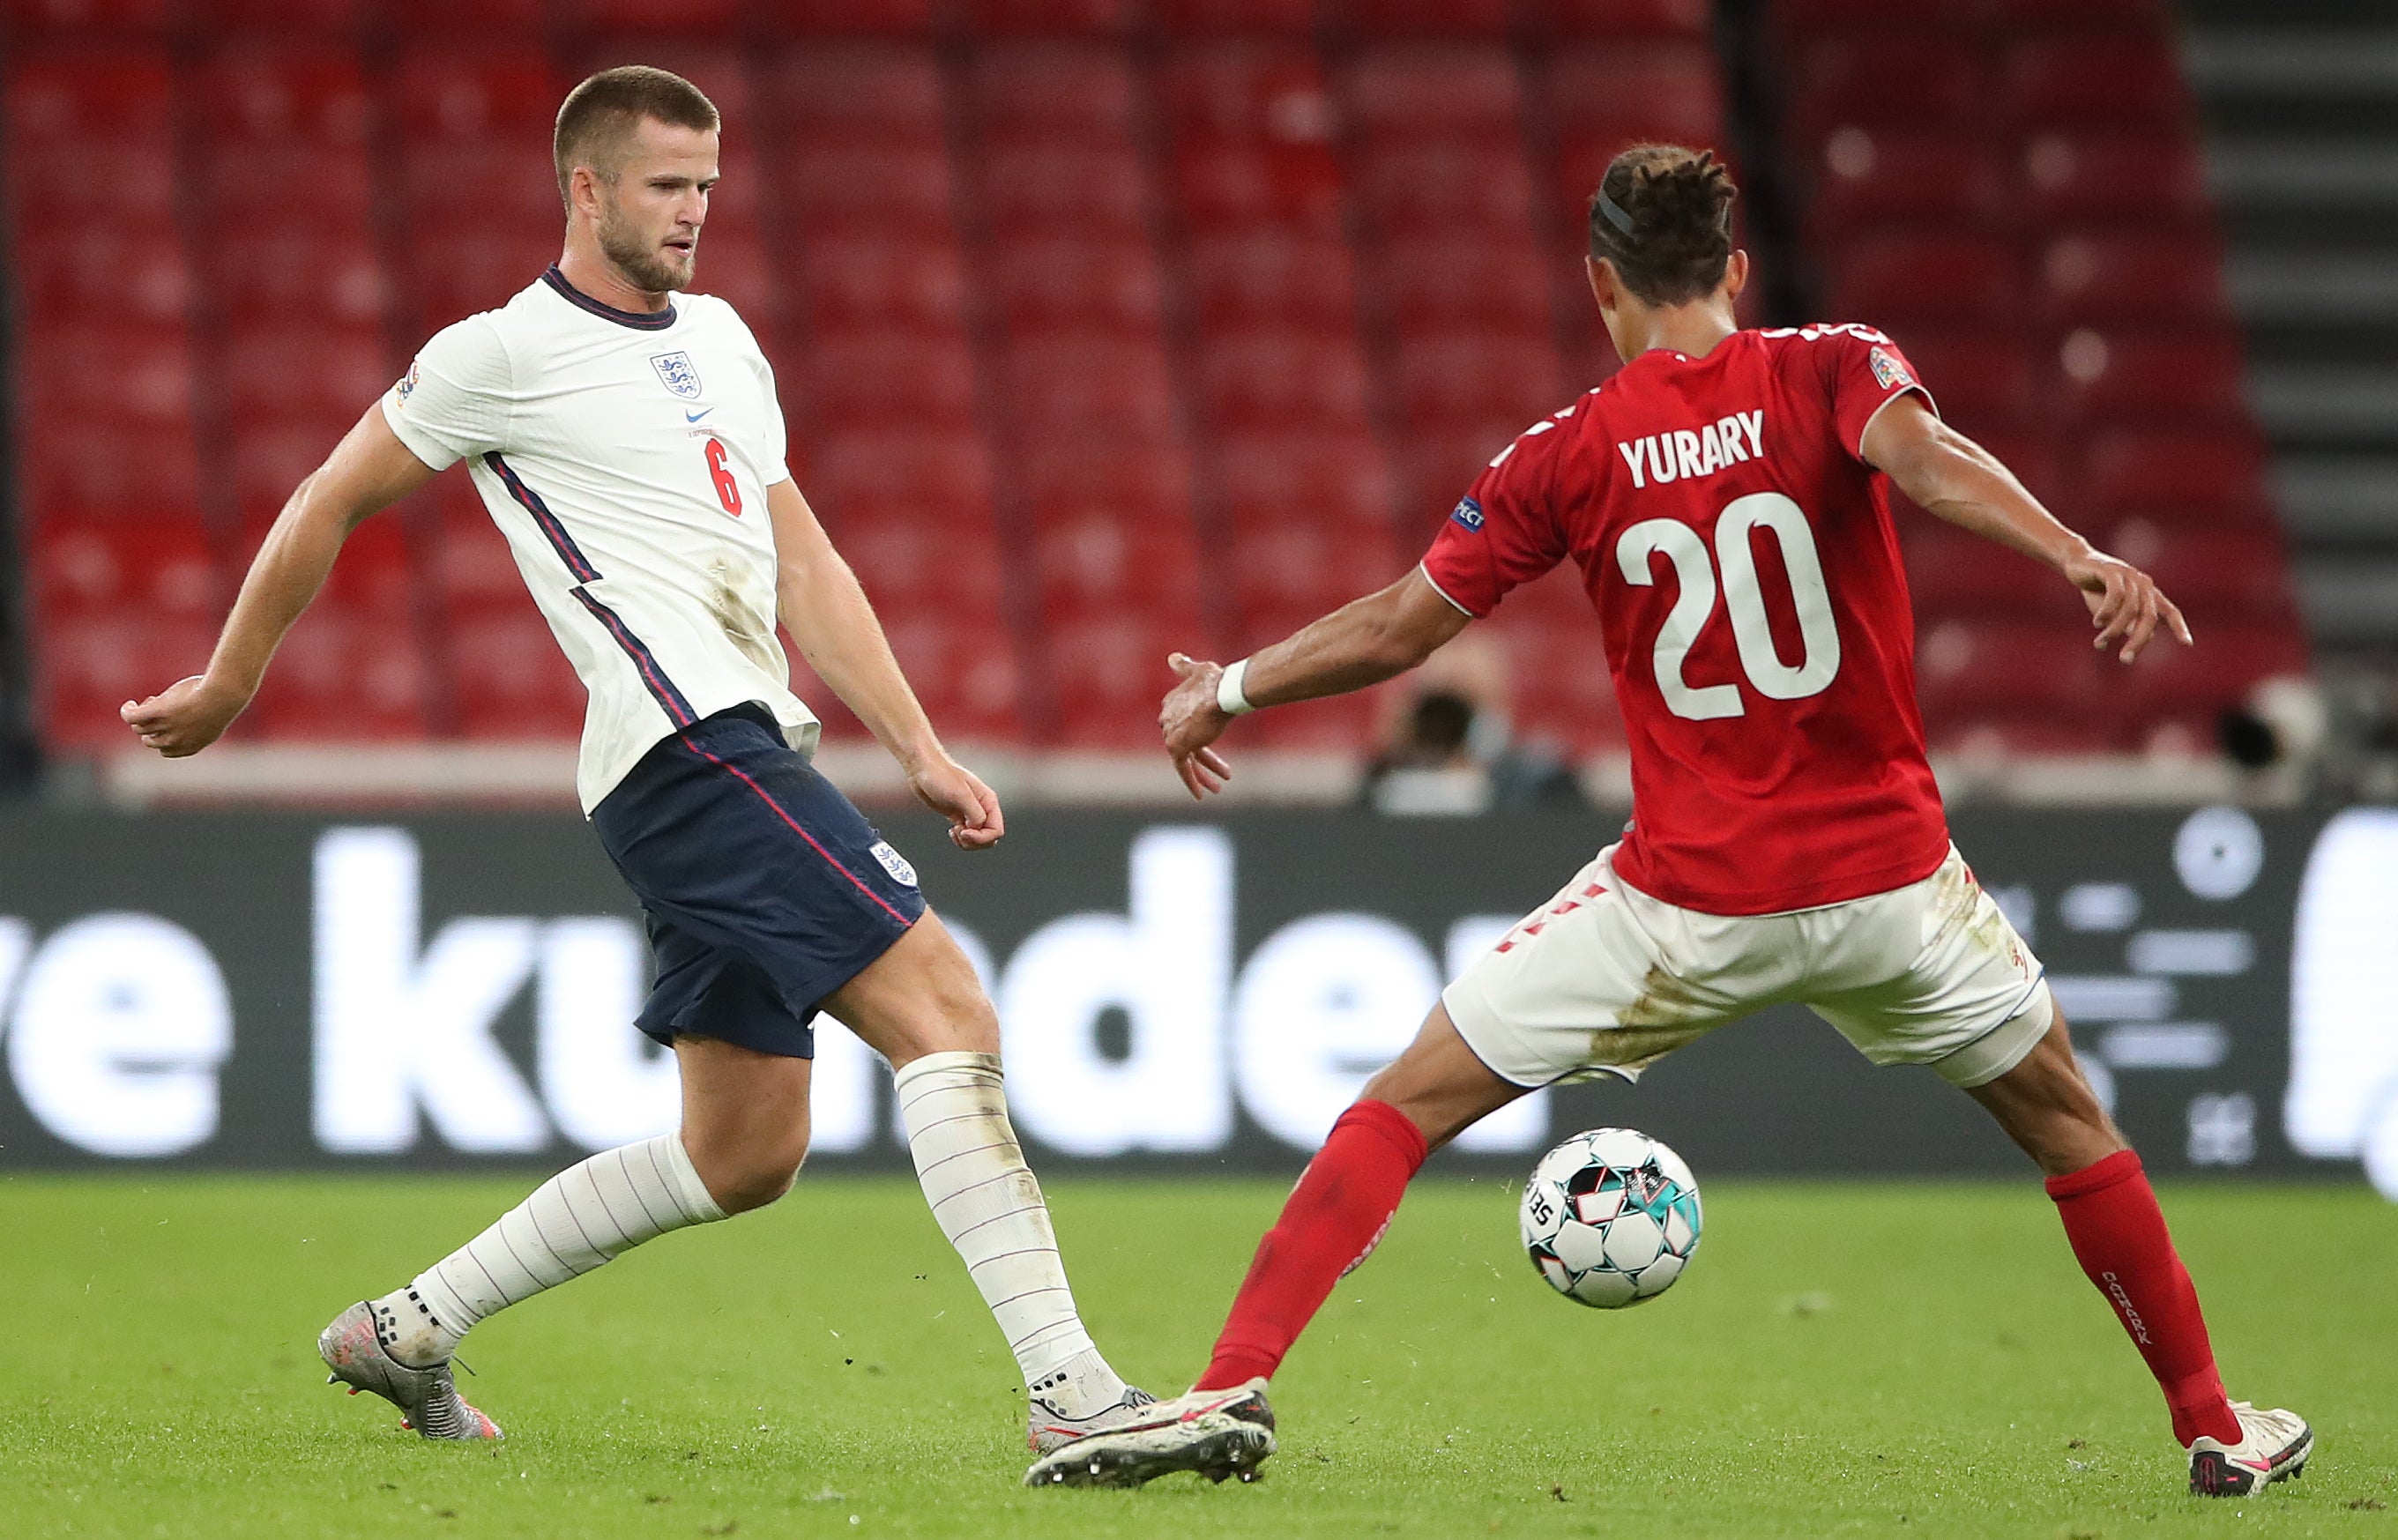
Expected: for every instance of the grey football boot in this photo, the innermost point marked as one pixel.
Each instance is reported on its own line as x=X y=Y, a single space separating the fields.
x=1216 y=1433
x=428 y=1400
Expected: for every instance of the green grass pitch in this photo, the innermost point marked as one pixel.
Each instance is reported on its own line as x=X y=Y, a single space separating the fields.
x=1883 y=1359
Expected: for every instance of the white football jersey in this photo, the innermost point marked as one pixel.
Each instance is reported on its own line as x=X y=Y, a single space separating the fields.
x=627 y=457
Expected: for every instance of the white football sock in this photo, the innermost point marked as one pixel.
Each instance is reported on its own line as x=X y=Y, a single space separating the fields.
x=988 y=1204
x=578 y=1219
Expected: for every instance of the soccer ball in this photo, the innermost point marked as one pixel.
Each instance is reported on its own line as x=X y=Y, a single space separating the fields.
x=1611 y=1217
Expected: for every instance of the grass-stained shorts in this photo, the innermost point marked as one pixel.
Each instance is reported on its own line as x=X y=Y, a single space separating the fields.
x=764 y=889
x=1607 y=978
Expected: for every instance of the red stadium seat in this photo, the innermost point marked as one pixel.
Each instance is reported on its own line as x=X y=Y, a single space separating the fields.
x=1071 y=88
x=97 y=273
x=469 y=20
x=1288 y=572
x=1050 y=184
x=1235 y=17
x=1453 y=185
x=1094 y=564
x=707 y=58
x=917 y=561
x=1612 y=20
x=851 y=187
x=75 y=465
x=513 y=180
x=1338 y=477
x=509 y=679
x=1230 y=185
x=453 y=279
x=75 y=98
x=143 y=564
x=964 y=668
x=2139 y=175
x=1449 y=378
x=376 y=574
x=2194 y=683
x=263 y=96
x=1408 y=18
x=858 y=475
x=2108 y=277
x=342 y=675
x=1269 y=379
x=84 y=20
x=1887 y=279
x=875 y=377
x=128 y=184
x=271 y=457
x=871 y=279
x=1107 y=671
x=330 y=189
x=878 y=93
x=1440 y=91
x=2216 y=575
x=1065 y=482
x=1980 y=376
x=1599 y=99
x=682 y=20
x=1955 y=575
x=2197 y=472
x=2165 y=372
x=1464 y=278
x=1919 y=81
x=285 y=18
x=1800 y=22
x=477 y=95
x=813 y=18
x=89 y=667
x=2009 y=16
x=474 y=569
x=2040 y=735
x=1265 y=275
x=1050 y=18
x=1089 y=385
x=1970 y=669
x=2127 y=77
x=1887 y=177
x=1109 y=282
x=133 y=376
x=271 y=372
x=1273 y=92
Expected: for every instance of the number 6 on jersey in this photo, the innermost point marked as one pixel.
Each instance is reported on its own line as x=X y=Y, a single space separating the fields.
x=1752 y=632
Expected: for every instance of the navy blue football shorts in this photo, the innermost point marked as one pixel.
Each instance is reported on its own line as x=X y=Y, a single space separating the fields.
x=765 y=891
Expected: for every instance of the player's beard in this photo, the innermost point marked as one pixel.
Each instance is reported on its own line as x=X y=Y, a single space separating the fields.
x=641 y=263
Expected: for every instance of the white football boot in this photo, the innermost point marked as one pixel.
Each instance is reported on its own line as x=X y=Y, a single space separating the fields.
x=1216 y=1433
x=1047 y=1427
x=428 y=1400
x=2273 y=1447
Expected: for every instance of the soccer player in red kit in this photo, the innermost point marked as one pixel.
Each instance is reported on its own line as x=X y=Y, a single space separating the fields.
x=1724 y=498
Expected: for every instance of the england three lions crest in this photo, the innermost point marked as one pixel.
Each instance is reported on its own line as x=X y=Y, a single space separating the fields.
x=676 y=371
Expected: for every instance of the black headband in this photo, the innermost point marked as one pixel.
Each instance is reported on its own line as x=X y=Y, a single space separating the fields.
x=1614 y=213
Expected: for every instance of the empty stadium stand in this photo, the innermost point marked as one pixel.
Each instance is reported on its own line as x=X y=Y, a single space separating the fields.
x=1104 y=327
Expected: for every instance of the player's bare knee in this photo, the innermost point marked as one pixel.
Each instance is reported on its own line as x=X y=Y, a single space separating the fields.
x=758 y=1180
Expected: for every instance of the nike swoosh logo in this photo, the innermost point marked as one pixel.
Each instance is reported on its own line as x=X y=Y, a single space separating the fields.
x=689 y=416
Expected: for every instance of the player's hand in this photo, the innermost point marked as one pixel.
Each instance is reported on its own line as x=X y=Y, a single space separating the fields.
x=2124 y=604
x=957 y=795
x=1192 y=720
x=185 y=718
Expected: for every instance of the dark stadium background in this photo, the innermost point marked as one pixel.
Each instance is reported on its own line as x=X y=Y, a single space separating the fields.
x=1112 y=326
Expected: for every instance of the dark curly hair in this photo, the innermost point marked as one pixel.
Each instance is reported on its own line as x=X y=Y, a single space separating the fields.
x=1674 y=235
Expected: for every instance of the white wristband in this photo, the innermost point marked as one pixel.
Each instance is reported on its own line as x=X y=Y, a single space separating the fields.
x=1228 y=698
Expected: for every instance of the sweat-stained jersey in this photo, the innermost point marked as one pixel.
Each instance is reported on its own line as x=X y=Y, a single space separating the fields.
x=627 y=457
x=1741 y=558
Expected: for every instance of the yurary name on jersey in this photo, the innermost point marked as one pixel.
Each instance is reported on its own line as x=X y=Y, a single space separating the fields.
x=1689 y=453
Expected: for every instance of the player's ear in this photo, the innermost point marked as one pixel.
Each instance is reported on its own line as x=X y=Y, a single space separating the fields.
x=1735 y=275
x=1603 y=282
x=583 y=191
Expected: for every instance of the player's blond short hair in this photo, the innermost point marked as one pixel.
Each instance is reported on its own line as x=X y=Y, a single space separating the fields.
x=596 y=120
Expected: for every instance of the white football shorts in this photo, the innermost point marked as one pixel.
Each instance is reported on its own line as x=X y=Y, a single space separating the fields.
x=1604 y=979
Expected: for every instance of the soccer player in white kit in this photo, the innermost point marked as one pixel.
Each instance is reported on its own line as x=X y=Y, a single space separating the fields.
x=626 y=438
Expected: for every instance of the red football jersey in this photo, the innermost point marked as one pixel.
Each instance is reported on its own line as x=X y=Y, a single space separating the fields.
x=1741 y=558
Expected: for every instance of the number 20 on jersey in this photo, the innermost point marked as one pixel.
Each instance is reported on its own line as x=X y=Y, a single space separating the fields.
x=1696 y=571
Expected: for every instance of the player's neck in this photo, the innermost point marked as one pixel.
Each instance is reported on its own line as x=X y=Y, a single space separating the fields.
x=1691 y=331
x=594 y=275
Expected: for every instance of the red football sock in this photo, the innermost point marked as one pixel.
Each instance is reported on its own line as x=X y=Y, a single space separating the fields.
x=1331 y=1222
x=2119 y=1235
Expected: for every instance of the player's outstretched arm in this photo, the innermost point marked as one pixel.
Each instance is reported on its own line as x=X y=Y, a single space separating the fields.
x=1950 y=476
x=827 y=613
x=370 y=470
x=1362 y=643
